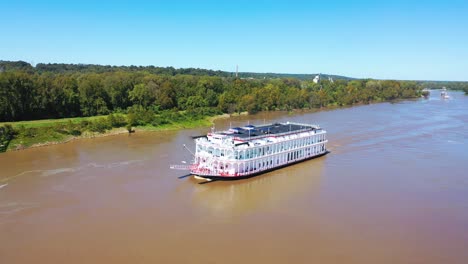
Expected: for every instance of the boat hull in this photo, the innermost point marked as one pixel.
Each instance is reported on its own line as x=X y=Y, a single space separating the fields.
x=230 y=178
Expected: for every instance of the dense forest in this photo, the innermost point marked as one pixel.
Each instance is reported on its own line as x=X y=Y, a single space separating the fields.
x=65 y=90
x=156 y=97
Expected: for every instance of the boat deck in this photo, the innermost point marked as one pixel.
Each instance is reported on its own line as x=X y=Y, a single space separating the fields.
x=271 y=129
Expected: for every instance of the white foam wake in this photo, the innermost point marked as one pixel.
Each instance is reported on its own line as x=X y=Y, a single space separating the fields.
x=45 y=173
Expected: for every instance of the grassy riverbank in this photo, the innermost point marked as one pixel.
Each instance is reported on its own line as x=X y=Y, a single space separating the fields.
x=37 y=133
x=27 y=134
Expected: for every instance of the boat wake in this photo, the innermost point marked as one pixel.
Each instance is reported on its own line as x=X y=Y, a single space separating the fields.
x=57 y=171
x=51 y=172
x=11 y=208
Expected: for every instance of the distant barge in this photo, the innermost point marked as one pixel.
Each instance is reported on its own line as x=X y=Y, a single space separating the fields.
x=243 y=152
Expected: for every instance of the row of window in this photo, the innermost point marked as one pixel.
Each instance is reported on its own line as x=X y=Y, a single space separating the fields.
x=278 y=159
x=264 y=150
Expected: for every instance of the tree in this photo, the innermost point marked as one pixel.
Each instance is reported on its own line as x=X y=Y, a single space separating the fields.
x=141 y=95
x=93 y=98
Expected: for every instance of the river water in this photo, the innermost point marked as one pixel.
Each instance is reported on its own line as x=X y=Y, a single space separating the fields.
x=394 y=189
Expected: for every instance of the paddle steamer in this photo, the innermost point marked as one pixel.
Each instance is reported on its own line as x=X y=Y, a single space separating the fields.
x=243 y=152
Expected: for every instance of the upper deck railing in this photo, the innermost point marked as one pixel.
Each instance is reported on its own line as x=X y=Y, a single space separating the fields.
x=307 y=127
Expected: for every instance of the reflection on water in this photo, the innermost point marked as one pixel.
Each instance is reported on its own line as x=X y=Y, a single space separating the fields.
x=231 y=198
x=393 y=190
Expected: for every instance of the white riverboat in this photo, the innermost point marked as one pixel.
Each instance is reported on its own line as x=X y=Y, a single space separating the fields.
x=243 y=152
x=444 y=94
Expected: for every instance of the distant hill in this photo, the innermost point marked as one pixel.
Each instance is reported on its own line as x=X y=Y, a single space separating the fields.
x=87 y=68
x=256 y=75
x=15 y=65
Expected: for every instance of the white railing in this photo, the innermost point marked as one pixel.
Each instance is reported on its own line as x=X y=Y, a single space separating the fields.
x=252 y=170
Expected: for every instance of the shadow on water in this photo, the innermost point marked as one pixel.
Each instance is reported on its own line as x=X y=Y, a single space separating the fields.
x=266 y=190
x=184 y=176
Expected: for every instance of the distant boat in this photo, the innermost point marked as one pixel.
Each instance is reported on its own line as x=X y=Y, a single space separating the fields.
x=425 y=92
x=444 y=94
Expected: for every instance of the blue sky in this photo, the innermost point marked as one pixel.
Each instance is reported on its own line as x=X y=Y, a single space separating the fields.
x=388 y=40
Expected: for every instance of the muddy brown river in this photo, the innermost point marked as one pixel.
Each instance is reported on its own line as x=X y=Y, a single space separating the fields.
x=394 y=189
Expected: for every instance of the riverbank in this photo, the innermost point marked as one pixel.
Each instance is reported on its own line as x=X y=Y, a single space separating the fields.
x=39 y=133
x=52 y=137
x=52 y=129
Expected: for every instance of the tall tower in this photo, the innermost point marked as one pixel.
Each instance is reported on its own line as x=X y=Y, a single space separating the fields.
x=237 y=71
x=317 y=78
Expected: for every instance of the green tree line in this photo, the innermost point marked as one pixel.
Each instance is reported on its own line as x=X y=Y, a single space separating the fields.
x=31 y=94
